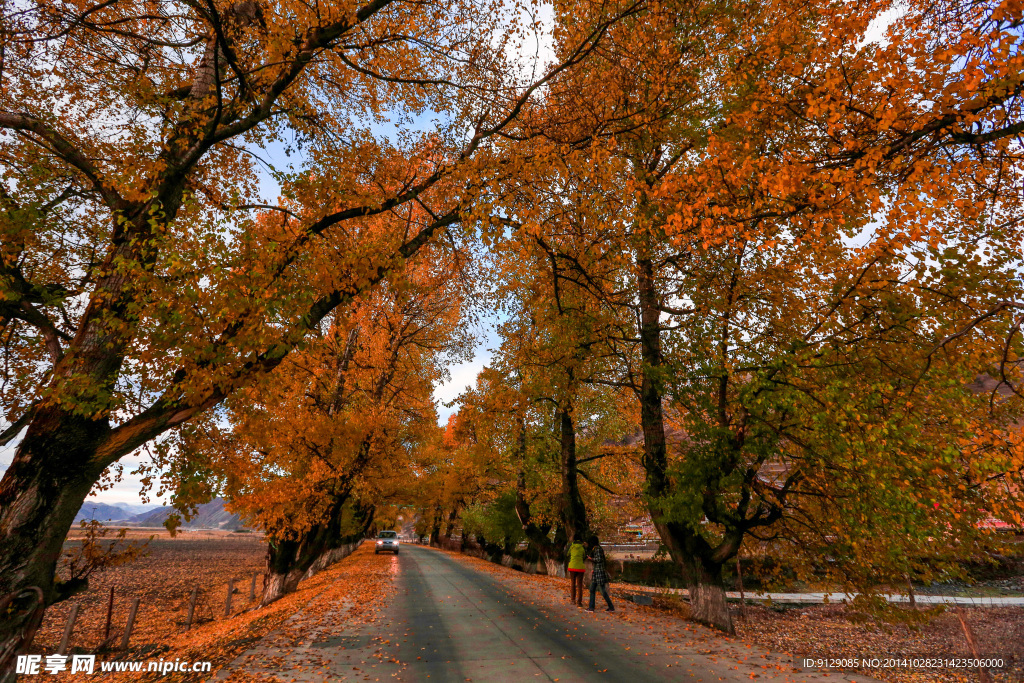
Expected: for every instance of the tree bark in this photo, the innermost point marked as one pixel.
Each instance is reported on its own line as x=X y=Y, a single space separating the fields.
x=282 y=574
x=703 y=571
x=435 y=530
x=291 y=560
x=574 y=512
x=48 y=480
x=538 y=536
x=339 y=545
x=707 y=596
x=453 y=517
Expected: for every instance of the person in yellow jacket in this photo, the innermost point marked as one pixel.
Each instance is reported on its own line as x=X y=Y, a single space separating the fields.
x=577 y=554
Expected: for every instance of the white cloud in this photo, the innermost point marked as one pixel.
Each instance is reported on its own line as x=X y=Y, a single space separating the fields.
x=463 y=375
x=125 y=491
x=879 y=26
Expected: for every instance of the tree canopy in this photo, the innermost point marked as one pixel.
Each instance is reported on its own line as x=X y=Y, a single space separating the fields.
x=755 y=269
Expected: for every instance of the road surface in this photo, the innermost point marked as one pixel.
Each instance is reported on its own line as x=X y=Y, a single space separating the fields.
x=447 y=621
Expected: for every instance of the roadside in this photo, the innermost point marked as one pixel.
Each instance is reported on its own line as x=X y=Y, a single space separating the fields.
x=820 y=598
x=832 y=630
x=839 y=630
x=996 y=575
x=447 y=618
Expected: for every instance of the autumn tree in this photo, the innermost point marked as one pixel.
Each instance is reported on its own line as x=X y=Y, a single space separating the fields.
x=544 y=460
x=781 y=137
x=558 y=343
x=321 y=444
x=139 y=288
x=843 y=418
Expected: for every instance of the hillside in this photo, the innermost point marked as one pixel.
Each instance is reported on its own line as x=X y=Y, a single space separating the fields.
x=106 y=512
x=210 y=515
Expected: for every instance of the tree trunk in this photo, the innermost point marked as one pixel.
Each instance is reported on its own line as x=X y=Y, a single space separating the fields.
x=435 y=531
x=551 y=557
x=290 y=561
x=689 y=550
x=708 y=604
x=453 y=516
x=574 y=513
x=336 y=541
x=702 y=567
x=338 y=545
x=49 y=478
x=281 y=579
x=652 y=418
x=553 y=566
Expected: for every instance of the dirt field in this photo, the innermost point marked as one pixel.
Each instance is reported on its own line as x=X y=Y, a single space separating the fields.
x=840 y=631
x=163 y=581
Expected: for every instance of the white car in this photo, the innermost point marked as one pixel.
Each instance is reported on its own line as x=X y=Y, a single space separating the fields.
x=387 y=540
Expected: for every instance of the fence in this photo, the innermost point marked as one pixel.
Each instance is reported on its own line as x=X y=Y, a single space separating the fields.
x=223 y=601
x=632 y=547
x=199 y=602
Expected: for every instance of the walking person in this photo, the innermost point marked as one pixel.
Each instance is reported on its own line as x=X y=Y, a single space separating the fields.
x=599 y=576
x=577 y=553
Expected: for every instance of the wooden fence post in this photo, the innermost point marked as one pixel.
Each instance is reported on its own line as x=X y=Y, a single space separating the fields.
x=227 y=602
x=110 y=613
x=131 y=623
x=192 y=608
x=252 y=587
x=68 y=627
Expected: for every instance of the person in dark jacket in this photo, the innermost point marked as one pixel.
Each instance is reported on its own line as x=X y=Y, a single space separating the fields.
x=599 y=576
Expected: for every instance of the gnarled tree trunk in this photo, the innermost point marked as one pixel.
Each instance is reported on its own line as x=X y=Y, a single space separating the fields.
x=538 y=536
x=703 y=571
x=707 y=595
x=435 y=530
x=291 y=560
x=282 y=557
x=551 y=554
x=339 y=546
x=41 y=492
x=702 y=568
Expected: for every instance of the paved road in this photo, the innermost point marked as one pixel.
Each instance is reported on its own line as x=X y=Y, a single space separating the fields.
x=450 y=622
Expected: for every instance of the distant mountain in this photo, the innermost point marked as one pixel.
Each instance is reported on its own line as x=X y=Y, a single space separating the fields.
x=105 y=512
x=210 y=515
x=137 y=509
